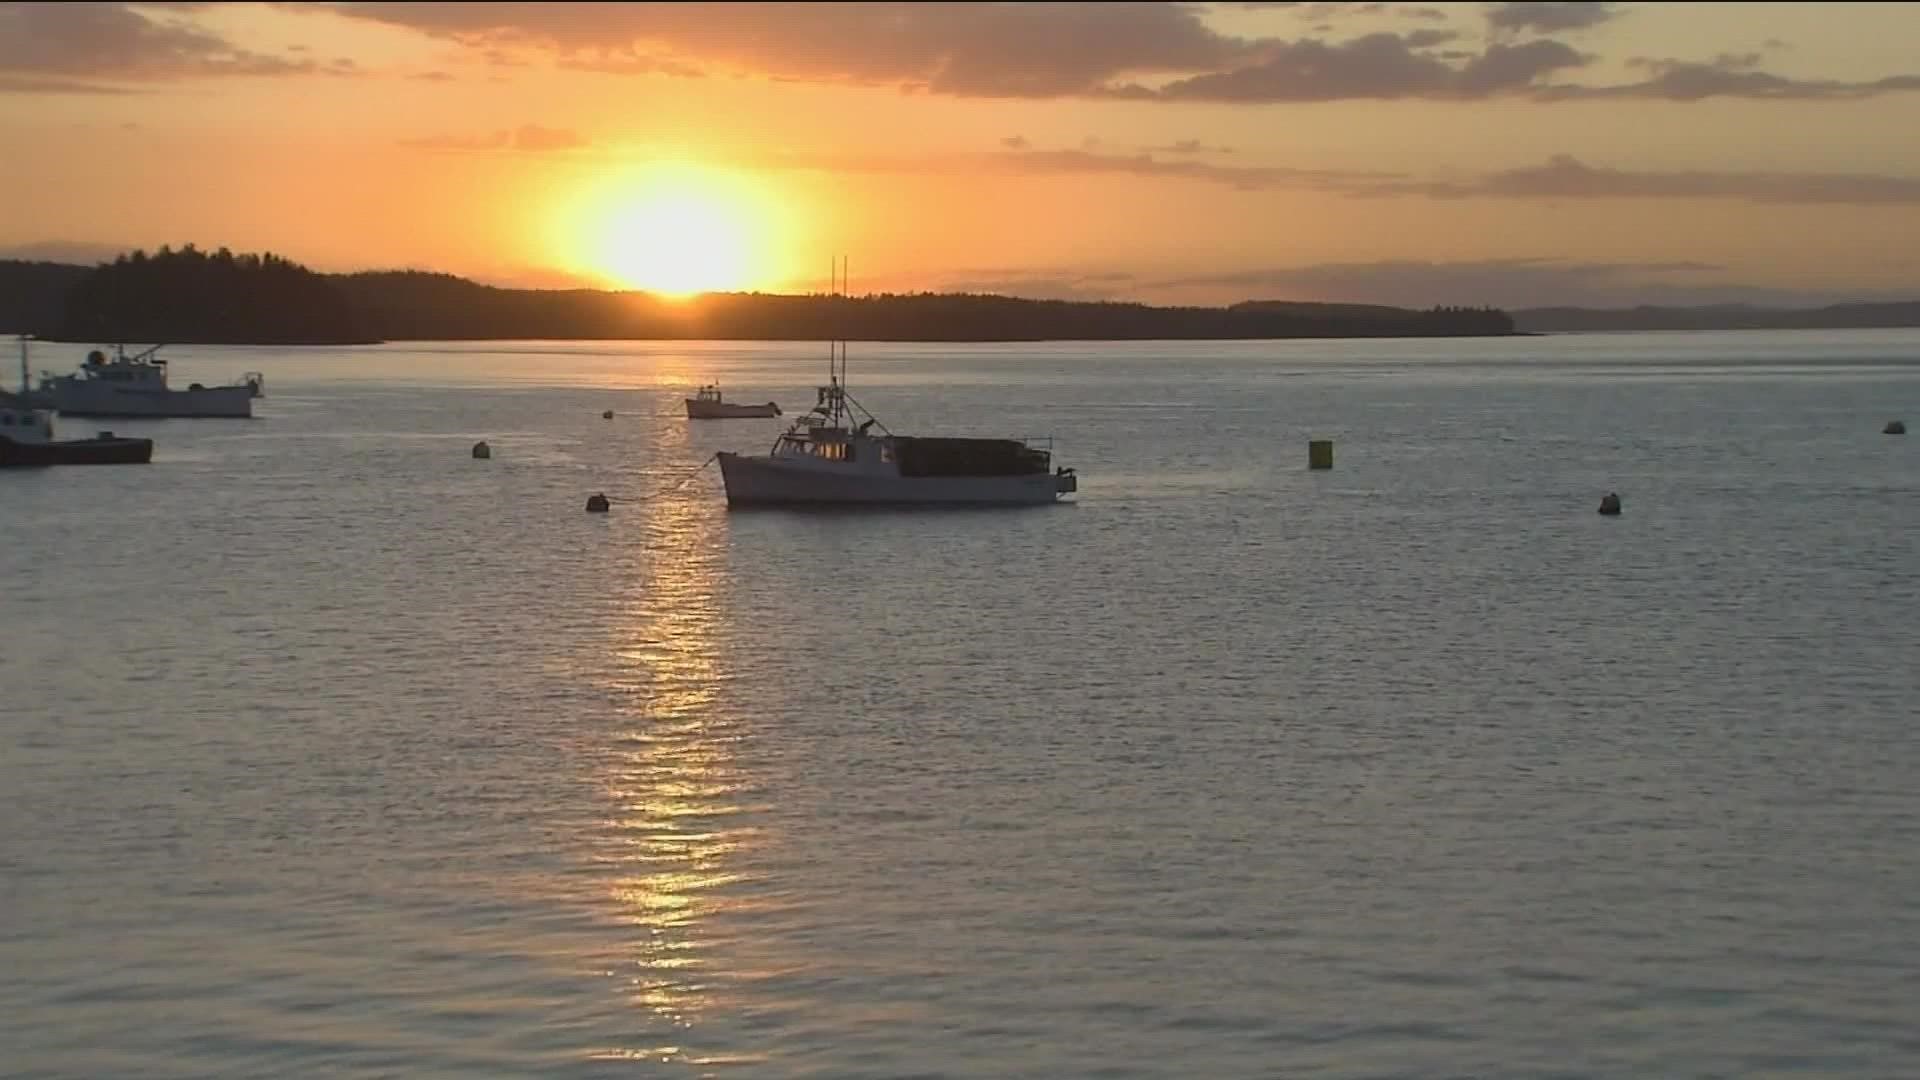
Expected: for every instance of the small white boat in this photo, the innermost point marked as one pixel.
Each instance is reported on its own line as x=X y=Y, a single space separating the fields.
x=123 y=385
x=707 y=404
x=831 y=456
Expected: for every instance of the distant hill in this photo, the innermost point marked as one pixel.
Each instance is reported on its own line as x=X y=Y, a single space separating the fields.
x=1718 y=317
x=190 y=296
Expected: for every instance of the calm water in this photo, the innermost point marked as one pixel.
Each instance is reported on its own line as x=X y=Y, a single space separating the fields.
x=329 y=751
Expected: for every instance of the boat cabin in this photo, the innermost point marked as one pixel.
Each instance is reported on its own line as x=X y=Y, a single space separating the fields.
x=26 y=425
x=140 y=371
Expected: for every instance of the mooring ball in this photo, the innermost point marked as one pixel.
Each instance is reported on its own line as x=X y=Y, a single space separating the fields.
x=1610 y=505
x=608 y=415
x=1894 y=427
x=597 y=504
x=482 y=450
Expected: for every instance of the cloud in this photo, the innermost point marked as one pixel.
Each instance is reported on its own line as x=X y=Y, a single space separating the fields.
x=433 y=76
x=1548 y=17
x=1566 y=177
x=1382 y=65
x=1686 y=80
x=1015 y=142
x=989 y=50
x=1507 y=283
x=29 y=84
x=1187 y=146
x=1158 y=52
x=529 y=138
x=1038 y=285
x=536 y=138
x=79 y=252
x=1246 y=178
x=1560 y=177
x=76 y=48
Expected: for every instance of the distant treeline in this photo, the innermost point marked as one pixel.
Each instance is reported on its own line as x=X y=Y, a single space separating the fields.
x=217 y=298
x=1719 y=317
x=190 y=296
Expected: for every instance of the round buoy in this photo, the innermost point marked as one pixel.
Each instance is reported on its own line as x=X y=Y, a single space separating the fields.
x=597 y=504
x=482 y=450
x=1894 y=427
x=1610 y=505
x=608 y=415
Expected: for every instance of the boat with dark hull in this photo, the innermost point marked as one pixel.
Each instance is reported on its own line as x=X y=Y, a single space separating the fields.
x=26 y=439
x=834 y=456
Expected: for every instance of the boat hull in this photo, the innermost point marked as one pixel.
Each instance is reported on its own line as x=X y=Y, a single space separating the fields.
x=727 y=410
x=98 y=399
x=104 y=450
x=759 y=481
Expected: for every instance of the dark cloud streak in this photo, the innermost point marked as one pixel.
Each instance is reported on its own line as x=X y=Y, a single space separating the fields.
x=100 y=47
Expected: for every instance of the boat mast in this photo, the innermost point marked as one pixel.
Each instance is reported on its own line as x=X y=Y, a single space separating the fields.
x=837 y=348
x=24 y=387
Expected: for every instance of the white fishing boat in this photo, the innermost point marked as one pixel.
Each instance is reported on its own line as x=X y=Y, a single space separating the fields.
x=833 y=456
x=136 y=385
x=707 y=404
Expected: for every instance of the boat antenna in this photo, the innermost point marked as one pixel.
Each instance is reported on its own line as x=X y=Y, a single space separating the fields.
x=24 y=387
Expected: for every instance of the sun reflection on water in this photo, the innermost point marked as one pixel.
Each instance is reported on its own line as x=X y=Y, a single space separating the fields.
x=672 y=778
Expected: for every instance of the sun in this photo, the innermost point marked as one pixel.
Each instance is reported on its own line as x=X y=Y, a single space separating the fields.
x=673 y=229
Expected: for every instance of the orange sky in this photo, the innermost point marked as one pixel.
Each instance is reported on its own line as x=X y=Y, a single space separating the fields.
x=1509 y=154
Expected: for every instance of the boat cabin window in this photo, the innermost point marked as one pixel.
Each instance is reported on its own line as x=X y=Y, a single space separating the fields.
x=886 y=453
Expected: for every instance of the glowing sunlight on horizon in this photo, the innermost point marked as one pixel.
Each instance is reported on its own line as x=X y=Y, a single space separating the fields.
x=674 y=229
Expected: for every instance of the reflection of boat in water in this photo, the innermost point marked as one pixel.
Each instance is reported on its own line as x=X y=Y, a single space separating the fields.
x=707 y=404
x=123 y=385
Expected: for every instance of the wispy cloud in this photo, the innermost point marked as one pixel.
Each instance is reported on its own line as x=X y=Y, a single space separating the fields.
x=1162 y=52
x=529 y=138
x=1545 y=17
x=1380 y=66
x=1187 y=146
x=1560 y=177
x=1688 y=80
x=1507 y=283
x=991 y=50
x=1567 y=177
x=100 y=47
